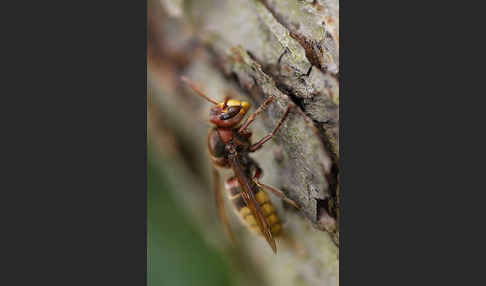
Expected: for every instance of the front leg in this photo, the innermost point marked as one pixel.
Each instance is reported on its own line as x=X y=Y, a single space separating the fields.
x=242 y=130
x=260 y=143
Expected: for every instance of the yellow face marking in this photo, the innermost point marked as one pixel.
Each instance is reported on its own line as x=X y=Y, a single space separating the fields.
x=235 y=102
x=246 y=106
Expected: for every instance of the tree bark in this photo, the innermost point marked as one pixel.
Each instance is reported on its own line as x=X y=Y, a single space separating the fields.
x=252 y=49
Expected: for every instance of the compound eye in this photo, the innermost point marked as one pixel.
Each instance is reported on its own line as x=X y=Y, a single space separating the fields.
x=232 y=112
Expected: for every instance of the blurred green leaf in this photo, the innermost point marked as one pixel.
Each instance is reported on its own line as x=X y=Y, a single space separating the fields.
x=176 y=252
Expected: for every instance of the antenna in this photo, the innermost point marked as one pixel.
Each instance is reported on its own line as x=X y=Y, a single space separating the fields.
x=197 y=90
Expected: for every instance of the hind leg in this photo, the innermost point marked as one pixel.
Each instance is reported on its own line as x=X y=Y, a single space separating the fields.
x=275 y=191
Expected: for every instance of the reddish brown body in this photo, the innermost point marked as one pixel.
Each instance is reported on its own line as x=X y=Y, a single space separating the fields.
x=229 y=145
x=218 y=140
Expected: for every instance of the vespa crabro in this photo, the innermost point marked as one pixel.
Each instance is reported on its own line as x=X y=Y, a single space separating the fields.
x=229 y=146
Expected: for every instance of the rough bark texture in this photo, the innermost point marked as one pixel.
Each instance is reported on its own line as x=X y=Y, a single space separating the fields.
x=286 y=49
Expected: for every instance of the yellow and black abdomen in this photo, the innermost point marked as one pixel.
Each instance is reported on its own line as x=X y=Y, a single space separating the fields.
x=234 y=193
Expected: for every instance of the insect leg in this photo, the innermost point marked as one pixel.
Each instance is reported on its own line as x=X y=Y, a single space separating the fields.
x=252 y=116
x=260 y=143
x=275 y=191
x=278 y=193
x=220 y=205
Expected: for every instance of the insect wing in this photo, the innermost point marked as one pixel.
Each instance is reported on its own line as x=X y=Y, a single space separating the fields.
x=251 y=202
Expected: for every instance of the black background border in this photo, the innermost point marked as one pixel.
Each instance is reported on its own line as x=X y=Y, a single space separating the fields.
x=75 y=145
x=79 y=130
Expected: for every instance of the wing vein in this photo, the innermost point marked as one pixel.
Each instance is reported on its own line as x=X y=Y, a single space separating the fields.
x=250 y=200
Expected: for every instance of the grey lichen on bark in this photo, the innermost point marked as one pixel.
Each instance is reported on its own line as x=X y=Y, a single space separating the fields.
x=314 y=25
x=287 y=50
x=268 y=61
x=304 y=163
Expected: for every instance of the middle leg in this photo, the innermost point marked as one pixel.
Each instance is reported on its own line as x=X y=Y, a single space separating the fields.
x=260 y=143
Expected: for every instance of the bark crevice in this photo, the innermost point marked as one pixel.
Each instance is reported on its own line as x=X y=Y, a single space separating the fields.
x=254 y=56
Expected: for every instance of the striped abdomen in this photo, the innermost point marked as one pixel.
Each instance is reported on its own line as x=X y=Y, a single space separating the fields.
x=234 y=194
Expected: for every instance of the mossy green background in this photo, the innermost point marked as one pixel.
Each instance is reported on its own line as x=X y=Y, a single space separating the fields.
x=177 y=255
